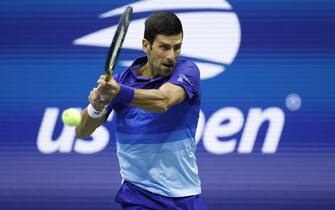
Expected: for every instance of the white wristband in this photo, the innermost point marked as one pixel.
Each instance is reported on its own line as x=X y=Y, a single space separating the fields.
x=93 y=112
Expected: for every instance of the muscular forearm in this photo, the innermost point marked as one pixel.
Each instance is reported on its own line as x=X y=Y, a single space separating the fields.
x=88 y=124
x=151 y=100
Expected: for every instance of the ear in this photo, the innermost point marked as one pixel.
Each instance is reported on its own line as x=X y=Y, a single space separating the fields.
x=145 y=45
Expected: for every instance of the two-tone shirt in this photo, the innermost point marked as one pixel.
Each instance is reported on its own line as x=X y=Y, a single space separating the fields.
x=156 y=151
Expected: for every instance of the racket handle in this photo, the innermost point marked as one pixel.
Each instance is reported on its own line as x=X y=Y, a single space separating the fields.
x=108 y=77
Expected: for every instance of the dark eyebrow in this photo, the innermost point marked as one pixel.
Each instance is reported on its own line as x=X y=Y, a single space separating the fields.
x=163 y=43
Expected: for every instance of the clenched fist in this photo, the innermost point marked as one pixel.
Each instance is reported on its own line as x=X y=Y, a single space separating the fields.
x=103 y=94
x=108 y=89
x=96 y=100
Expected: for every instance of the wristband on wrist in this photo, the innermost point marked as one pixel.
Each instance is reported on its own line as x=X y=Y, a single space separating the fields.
x=93 y=112
x=126 y=94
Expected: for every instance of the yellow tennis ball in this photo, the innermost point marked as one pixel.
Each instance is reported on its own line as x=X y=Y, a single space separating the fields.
x=71 y=117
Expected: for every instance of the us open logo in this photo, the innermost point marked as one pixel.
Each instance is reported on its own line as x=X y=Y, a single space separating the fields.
x=212 y=33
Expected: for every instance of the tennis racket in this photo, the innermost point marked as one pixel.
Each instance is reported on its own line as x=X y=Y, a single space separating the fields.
x=115 y=47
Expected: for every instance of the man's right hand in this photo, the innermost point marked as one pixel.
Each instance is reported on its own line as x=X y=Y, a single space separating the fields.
x=88 y=124
x=96 y=99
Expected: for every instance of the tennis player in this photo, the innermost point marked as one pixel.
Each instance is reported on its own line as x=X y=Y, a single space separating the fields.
x=156 y=101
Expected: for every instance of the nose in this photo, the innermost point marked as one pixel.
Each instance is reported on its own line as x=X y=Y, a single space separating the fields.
x=170 y=56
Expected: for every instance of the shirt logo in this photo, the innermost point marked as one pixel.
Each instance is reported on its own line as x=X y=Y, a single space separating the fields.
x=180 y=79
x=183 y=78
x=212 y=31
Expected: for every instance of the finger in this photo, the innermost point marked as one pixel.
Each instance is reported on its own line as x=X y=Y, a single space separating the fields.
x=101 y=90
x=92 y=100
x=102 y=82
x=91 y=95
x=94 y=91
x=102 y=77
x=106 y=90
x=95 y=99
x=100 y=106
x=97 y=96
x=103 y=96
x=111 y=81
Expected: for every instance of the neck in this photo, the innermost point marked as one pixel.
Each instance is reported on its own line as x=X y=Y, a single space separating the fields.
x=146 y=71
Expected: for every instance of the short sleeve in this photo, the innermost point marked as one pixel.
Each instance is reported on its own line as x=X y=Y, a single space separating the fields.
x=186 y=74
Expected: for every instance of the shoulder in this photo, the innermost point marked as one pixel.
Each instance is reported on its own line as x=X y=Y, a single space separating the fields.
x=187 y=75
x=183 y=62
x=122 y=76
x=186 y=66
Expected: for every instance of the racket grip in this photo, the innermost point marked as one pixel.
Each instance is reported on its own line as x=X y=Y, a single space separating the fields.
x=108 y=77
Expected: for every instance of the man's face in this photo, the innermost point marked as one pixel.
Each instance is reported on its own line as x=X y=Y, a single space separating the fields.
x=163 y=53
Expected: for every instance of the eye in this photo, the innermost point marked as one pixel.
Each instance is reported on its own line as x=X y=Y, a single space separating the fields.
x=177 y=47
x=165 y=47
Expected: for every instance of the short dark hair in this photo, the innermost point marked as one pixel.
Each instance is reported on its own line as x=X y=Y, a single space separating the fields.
x=164 y=23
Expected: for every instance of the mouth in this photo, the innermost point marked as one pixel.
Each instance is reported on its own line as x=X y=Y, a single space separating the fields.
x=167 y=65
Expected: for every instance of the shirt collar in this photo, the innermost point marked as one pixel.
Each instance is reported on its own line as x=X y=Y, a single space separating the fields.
x=138 y=63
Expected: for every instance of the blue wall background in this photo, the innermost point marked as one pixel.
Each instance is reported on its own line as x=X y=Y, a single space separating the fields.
x=287 y=46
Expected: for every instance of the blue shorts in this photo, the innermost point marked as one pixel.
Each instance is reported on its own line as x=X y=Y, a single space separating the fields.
x=132 y=197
